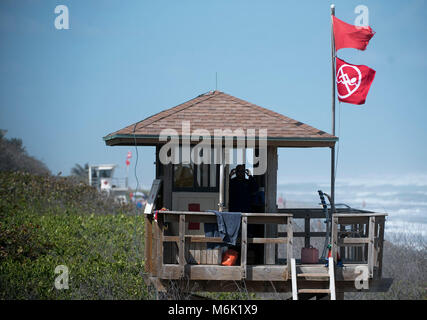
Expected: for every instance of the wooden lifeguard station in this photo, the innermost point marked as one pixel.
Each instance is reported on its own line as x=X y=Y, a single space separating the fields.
x=176 y=252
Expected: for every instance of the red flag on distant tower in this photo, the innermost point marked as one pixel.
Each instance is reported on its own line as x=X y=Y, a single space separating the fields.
x=350 y=36
x=353 y=81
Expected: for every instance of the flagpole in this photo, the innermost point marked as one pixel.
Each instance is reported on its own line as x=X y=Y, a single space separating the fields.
x=333 y=111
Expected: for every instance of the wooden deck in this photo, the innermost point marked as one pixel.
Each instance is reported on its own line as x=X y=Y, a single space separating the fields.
x=357 y=238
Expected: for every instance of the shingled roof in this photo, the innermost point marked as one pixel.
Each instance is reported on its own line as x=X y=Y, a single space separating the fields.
x=218 y=110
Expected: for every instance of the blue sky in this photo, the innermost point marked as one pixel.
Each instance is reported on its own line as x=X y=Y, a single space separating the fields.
x=121 y=61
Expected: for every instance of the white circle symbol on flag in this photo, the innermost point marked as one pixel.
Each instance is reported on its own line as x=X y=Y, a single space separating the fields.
x=349 y=77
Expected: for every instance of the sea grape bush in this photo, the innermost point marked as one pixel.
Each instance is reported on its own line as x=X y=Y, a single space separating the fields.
x=47 y=221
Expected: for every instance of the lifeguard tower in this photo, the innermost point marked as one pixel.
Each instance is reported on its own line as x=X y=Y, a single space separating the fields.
x=177 y=253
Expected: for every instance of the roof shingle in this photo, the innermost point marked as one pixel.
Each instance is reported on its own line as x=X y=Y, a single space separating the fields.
x=218 y=110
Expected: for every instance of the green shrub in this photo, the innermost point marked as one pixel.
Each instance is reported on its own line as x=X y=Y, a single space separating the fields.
x=46 y=222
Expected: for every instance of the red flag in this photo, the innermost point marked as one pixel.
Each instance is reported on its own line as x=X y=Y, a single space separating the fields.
x=349 y=36
x=353 y=81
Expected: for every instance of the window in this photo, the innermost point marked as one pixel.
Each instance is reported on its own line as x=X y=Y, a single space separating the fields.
x=196 y=178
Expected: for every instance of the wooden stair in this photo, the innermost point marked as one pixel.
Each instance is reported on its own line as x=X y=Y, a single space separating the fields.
x=327 y=275
x=314 y=291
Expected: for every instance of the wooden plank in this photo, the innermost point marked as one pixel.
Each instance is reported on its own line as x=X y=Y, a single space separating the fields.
x=380 y=246
x=148 y=245
x=307 y=231
x=197 y=252
x=382 y=285
x=267 y=240
x=313 y=275
x=155 y=243
x=270 y=229
x=244 y=246
x=314 y=291
x=360 y=215
x=159 y=253
x=205 y=239
x=171 y=239
x=209 y=256
x=203 y=252
x=244 y=214
x=311 y=234
x=216 y=256
x=289 y=246
x=346 y=273
x=181 y=247
x=214 y=272
x=352 y=241
x=267 y=272
x=371 y=248
x=334 y=237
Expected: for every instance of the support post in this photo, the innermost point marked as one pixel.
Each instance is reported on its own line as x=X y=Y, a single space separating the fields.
x=290 y=239
x=181 y=246
x=334 y=237
x=244 y=246
x=371 y=246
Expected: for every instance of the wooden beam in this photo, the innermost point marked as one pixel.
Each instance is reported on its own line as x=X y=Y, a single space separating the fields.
x=352 y=241
x=307 y=231
x=289 y=246
x=181 y=245
x=371 y=246
x=271 y=203
x=148 y=244
x=380 y=246
x=334 y=237
x=381 y=285
x=244 y=246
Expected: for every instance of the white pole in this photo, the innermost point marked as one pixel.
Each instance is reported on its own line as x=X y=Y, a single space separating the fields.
x=333 y=111
x=294 y=279
x=332 y=278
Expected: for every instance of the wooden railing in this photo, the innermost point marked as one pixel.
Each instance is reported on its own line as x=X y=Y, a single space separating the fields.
x=357 y=235
x=357 y=238
x=155 y=238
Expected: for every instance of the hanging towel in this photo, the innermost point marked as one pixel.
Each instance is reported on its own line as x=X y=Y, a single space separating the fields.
x=228 y=224
x=211 y=230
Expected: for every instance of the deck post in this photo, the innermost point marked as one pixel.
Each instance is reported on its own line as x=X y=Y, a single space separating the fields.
x=371 y=246
x=181 y=245
x=244 y=246
x=271 y=204
x=334 y=249
x=380 y=247
x=159 y=253
x=307 y=231
x=290 y=241
x=148 y=244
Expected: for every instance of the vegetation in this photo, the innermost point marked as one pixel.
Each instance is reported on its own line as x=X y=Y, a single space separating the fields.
x=80 y=172
x=14 y=157
x=47 y=221
x=50 y=221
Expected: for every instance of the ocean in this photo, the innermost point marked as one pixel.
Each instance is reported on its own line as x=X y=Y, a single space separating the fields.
x=404 y=200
